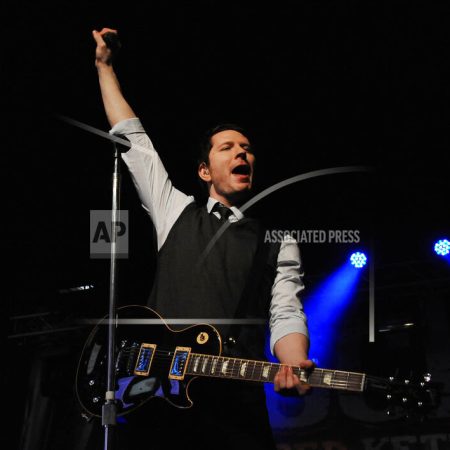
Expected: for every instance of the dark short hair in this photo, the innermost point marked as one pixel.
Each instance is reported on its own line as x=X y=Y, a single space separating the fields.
x=206 y=144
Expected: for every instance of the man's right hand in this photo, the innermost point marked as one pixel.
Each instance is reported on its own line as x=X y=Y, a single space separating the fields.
x=116 y=107
x=103 y=55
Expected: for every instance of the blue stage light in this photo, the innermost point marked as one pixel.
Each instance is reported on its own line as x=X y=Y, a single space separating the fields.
x=442 y=247
x=358 y=260
x=325 y=306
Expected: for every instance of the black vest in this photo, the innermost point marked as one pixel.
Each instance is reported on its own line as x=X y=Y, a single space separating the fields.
x=233 y=280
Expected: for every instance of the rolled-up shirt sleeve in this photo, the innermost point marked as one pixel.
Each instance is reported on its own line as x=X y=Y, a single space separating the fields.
x=286 y=309
x=162 y=201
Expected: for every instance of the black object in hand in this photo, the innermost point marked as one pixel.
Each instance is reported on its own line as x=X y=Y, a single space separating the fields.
x=112 y=42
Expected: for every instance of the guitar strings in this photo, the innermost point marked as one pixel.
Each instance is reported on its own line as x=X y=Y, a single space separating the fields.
x=161 y=355
x=234 y=372
x=258 y=365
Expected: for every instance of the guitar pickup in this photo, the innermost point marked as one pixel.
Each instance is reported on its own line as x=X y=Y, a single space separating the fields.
x=144 y=360
x=179 y=363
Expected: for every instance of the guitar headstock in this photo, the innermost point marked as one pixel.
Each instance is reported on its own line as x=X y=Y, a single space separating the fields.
x=408 y=398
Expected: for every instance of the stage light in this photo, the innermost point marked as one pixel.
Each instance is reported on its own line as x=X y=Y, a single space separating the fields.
x=358 y=260
x=325 y=306
x=442 y=247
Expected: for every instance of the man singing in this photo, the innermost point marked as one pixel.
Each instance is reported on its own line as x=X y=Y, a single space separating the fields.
x=240 y=276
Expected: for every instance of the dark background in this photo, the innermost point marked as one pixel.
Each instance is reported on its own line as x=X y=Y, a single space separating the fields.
x=320 y=84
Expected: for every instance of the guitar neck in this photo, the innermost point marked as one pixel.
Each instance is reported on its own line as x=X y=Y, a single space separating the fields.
x=261 y=371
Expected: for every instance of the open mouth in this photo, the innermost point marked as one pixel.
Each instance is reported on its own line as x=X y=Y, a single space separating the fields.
x=241 y=169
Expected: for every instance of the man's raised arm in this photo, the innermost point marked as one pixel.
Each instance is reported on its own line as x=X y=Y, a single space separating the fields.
x=162 y=201
x=116 y=107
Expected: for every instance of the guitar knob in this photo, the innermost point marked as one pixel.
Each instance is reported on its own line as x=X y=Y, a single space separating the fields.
x=406 y=381
x=389 y=396
x=419 y=404
x=391 y=378
x=404 y=400
x=86 y=417
x=230 y=341
x=427 y=377
x=91 y=382
x=95 y=400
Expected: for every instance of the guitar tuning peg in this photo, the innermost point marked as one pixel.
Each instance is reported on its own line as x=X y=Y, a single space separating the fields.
x=427 y=377
x=419 y=404
x=406 y=381
x=389 y=396
x=391 y=379
x=404 y=400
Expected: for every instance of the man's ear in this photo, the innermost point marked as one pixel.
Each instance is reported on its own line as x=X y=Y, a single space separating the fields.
x=203 y=172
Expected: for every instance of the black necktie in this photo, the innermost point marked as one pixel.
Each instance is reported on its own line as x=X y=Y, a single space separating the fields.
x=223 y=211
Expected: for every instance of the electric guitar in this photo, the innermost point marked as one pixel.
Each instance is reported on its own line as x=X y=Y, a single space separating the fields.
x=152 y=360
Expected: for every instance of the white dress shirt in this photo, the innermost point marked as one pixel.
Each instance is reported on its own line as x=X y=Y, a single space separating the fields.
x=164 y=203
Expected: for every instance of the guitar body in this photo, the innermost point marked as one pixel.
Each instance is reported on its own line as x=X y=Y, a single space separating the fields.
x=144 y=344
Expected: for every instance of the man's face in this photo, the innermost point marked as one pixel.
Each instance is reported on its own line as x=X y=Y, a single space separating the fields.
x=231 y=163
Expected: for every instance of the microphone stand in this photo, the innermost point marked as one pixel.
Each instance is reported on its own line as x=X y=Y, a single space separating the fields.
x=109 y=409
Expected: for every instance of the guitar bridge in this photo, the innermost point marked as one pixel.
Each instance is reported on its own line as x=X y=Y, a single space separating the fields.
x=179 y=363
x=144 y=360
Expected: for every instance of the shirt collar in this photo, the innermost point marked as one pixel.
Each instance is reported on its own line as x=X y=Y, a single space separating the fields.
x=234 y=210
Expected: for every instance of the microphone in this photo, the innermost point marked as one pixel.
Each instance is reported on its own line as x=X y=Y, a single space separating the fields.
x=112 y=42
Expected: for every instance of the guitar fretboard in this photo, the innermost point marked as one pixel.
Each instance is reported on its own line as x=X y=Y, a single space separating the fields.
x=261 y=371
